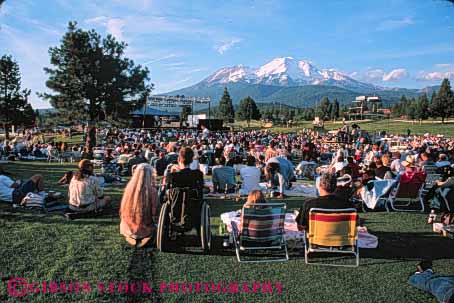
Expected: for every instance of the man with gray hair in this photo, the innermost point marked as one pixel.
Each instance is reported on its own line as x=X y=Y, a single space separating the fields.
x=327 y=199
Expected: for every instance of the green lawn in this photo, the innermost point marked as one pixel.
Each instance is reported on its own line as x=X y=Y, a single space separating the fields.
x=390 y=126
x=50 y=248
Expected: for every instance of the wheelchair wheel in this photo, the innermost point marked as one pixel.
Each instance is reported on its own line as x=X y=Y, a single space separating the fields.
x=162 y=238
x=205 y=228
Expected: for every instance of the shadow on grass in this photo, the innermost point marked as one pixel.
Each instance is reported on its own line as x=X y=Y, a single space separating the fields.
x=410 y=246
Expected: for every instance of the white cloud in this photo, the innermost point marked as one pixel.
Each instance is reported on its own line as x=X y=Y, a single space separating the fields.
x=166 y=57
x=395 y=75
x=225 y=46
x=445 y=65
x=115 y=27
x=395 y=23
x=432 y=76
x=374 y=74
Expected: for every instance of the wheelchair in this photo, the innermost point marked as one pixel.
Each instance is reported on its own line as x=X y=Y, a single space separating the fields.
x=183 y=210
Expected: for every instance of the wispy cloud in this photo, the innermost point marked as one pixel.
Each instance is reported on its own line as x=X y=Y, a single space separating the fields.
x=432 y=76
x=225 y=46
x=114 y=26
x=374 y=74
x=445 y=65
x=166 y=57
x=380 y=75
x=395 y=75
x=392 y=24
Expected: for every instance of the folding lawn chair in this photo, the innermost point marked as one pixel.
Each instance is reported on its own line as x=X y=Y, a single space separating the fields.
x=262 y=230
x=332 y=231
x=408 y=193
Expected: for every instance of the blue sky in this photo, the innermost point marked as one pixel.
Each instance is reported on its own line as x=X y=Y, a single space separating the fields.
x=390 y=43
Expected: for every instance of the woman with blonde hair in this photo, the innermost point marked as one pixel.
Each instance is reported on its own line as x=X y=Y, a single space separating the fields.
x=139 y=205
x=255 y=196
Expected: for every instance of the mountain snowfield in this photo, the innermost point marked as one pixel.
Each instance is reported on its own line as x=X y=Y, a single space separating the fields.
x=286 y=71
x=290 y=81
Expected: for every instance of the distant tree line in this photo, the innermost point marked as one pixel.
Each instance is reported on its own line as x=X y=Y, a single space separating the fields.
x=440 y=106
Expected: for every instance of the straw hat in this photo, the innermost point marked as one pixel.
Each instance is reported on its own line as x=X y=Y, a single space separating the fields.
x=409 y=161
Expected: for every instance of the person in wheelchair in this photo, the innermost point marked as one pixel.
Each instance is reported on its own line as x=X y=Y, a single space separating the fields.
x=184 y=208
x=184 y=181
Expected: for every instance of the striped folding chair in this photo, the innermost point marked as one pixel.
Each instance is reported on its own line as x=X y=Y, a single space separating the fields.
x=262 y=230
x=332 y=231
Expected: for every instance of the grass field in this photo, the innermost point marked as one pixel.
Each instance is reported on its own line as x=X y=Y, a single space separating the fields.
x=42 y=247
x=390 y=126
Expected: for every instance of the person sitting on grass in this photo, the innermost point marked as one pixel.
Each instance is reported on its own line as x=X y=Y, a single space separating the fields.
x=441 y=287
x=139 y=206
x=14 y=191
x=223 y=176
x=327 y=199
x=250 y=176
x=85 y=191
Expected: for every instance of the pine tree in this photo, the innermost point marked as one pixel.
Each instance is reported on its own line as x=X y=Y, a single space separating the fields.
x=441 y=106
x=411 y=109
x=248 y=110
x=13 y=100
x=325 y=108
x=335 y=110
x=423 y=107
x=225 y=109
x=92 y=80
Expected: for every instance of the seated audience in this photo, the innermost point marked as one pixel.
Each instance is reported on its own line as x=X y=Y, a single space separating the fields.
x=160 y=164
x=183 y=176
x=396 y=164
x=381 y=170
x=223 y=176
x=250 y=176
x=139 y=206
x=256 y=196
x=85 y=191
x=327 y=199
x=14 y=191
x=411 y=174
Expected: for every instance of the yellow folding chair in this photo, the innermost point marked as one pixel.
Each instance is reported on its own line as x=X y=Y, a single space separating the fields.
x=332 y=231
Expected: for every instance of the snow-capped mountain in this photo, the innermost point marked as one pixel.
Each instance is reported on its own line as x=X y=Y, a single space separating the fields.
x=285 y=71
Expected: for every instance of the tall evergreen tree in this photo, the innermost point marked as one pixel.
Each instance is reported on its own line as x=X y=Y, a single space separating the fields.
x=411 y=109
x=92 y=80
x=248 y=110
x=441 y=106
x=325 y=108
x=335 y=114
x=423 y=107
x=13 y=99
x=225 y=108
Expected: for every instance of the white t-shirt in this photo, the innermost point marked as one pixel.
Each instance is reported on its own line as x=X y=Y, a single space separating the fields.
x=6 y=191
x=250 y=175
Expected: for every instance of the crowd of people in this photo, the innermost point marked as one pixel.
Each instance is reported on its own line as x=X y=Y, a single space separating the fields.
x=346 y=163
